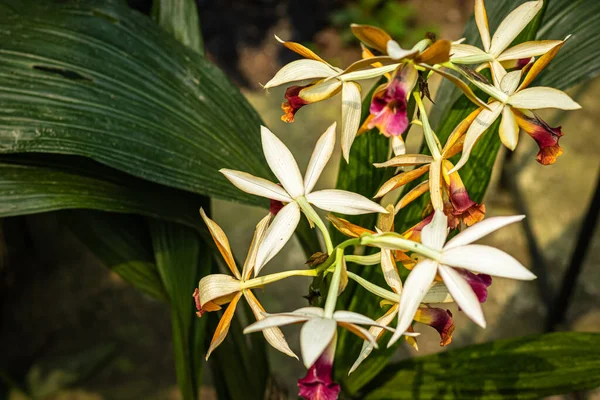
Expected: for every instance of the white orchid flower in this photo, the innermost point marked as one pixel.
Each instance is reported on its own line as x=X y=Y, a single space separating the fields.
x=318 y=330
x=296 y=191
x=495 y=52
x=513 y=100
x=440 y=258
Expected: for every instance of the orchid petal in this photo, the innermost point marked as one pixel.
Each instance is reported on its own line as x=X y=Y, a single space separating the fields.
x=351 y=108
x=404 y=160
x=282 y=163
x=319 y=158
x=346 y=227
x=528 y=49
x=344 y=202
x=255 y=185
x=509 y=129
x=482 y=24
x=309 y=312
x=273 y=335
x=359 y=331
x=486 y=260
x=272 y=321
x=434 y=233
x=315 y=336
x=542 y=97
x=512 y=25
x=435 y=185
x=376 y=331
x=353 y=318
x=259 y=234
x=401 y=180
x=300 y=70
x=279 y=233
x=510 y=82
x=301 y=50
x=320 y=91
x=463 y=294
x=438 y=293
x=396 y=52
x=372 y=36
x=222 y=243
x=467 y=54
x=398 y=146
x=498 y=72
x=214 y=286
x=415 y=287
x=481 y=123
x=480 y=230
x=390 y=272
x=223 y=326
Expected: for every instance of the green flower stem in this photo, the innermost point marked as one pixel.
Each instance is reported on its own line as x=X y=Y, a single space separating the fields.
x=364 y=260
x=395 y=241
x=432 y=141
x=312 y=215
x=265 y=280
x=376 y=290
x=334 y=287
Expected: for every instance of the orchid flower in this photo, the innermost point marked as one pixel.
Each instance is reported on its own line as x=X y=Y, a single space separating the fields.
x=327 y=81
x=219 y=289
x=444 y=258
x=317 y=384
x=495 y=53
x=440 y=184
x=515 y=103
x=297 y=192
x=388 y=110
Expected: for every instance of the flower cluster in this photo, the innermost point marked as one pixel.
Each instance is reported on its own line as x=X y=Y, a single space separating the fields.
x=438 y=270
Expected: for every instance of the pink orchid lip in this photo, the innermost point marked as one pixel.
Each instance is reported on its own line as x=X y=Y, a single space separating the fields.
x=275 y=206
x=196 y=297
x=440 y=320
x=388 y=108
x=317 y=383
x=545 y=136
x=293 y=103
x=478 y=282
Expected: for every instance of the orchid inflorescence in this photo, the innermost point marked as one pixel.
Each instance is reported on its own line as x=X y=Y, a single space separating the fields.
x=439 y=270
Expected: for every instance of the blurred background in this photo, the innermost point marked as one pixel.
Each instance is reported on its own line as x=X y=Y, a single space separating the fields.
x=76 y=309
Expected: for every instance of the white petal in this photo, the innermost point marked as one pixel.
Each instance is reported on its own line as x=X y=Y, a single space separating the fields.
x=280 y=231
x=396 y=52
x=415 y=287
x=477 y=128
x=282 y=163
x=308 y=312
x=513 y=24
x=486 y=260
x=351 y=108
x=353 y=318
x=434 y=233
x=368 y=347
x=480 y=230
x=398 y=146
x=463 y=294
x=405 y=160
x=315 y=336
x=255 y=185
x=510 y=82
x=213 y=286
x=528 y=49
x=299 y=70
x=542 y=97
x=274 y=336
x=467 y=54
x=390 y=272
x=509 y=129
x=319 y=158
x=438 y=293
x=482 y=23
x=273 y=320
x=498 y=72
x=343 y=202
x=367 y=73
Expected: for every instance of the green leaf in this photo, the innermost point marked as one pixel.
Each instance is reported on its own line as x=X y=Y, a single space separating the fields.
x=98 y=79
x=35 y=184
x=123 y=244
x=579 y=59
x=180 y=19
x=525 y=368
x=182 y=259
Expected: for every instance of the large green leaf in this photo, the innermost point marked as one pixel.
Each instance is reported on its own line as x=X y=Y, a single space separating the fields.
x=180 y=18
x=182 y=259
x=100 y=80
x=41 y=183
x=524 y=368
x=122 y=243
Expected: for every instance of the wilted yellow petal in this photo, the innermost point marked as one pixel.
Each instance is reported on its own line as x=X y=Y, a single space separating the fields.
x=223 y=327
x=347 y=227
x=301 y=50
x=259 y=234
x=222 y=243
x=404 y=160
x=450 y=148
x=435 y=185
x=539 y=65
x=386 y=221
x=216 y=286
x=437 y=53
x=401 y=179
x=371 y=36
x=413 y=194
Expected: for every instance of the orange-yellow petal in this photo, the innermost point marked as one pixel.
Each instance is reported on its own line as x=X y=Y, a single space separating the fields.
x=224 y=324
